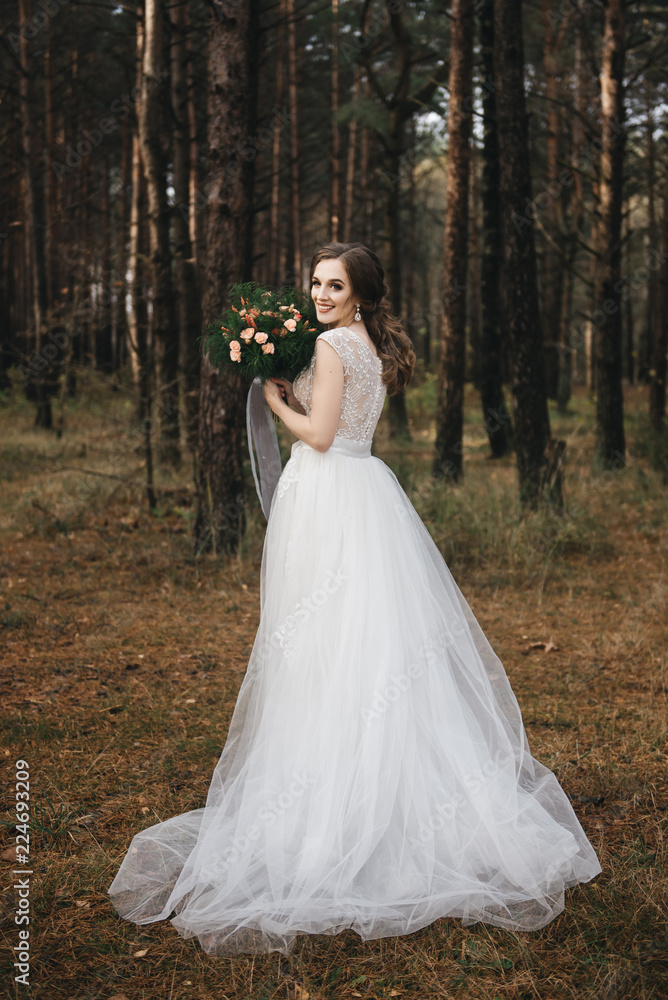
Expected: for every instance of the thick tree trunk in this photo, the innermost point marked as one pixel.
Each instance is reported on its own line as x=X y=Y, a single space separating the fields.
x=164 y=327
x=220 y=484
x=494 y=411
x=657 y=386
x=610 y=443
x=521 y=309
x=188 y=301
x=449 y=447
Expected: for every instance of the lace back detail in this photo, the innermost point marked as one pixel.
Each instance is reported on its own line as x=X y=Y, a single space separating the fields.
x=363 y=389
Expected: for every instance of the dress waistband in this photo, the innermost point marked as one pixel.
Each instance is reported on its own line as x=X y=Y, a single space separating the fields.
x=343 y=446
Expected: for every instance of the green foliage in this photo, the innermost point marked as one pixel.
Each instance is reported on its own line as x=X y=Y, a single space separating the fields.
x=253 y=307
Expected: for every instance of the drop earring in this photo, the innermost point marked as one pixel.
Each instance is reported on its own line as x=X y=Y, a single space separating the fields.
x=358 y=315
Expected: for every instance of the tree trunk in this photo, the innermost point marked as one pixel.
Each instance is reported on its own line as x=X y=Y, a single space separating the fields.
x=34 y=256
x=164 y=327
x=449 y=447
x=103 y=345
x=349 y=201
x=495 y=415
x=657 y=386
x=275 y=213
x=474 y=276
x=335 y=188
x=521 y=310
x=628 y=339
x=188 y=302
x=409 y=271
x=553 y=270
x=646 y=339
x=220 y=484
x=118 y=317
x=610 y=443
x=297 y=277
x=137 y=327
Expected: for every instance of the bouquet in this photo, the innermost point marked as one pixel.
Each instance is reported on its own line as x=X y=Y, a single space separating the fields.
x=263 y=333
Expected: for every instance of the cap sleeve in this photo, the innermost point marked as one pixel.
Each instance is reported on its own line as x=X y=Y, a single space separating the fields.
x=337 y=340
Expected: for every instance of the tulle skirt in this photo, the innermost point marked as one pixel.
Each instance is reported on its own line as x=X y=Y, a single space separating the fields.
x=376 y=774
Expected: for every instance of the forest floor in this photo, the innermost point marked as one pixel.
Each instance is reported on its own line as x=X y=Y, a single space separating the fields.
x=122 y=655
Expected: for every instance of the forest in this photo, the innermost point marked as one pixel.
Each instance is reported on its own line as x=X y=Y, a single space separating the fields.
x=508 y=162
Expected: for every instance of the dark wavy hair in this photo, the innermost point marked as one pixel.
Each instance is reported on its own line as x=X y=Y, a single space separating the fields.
x=367 y=278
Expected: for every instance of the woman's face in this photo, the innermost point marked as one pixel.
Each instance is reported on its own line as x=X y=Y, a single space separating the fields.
x=332 y=293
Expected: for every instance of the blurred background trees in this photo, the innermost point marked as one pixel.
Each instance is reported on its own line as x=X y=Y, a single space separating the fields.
x=508 y=161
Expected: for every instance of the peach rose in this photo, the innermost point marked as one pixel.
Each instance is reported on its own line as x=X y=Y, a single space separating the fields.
x=268 y=348
x=247 y=334
x=261 y=338
x=298 y=315
x=235 y=345
x=290 y=324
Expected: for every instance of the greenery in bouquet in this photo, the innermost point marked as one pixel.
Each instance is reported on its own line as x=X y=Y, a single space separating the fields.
x=263 y=332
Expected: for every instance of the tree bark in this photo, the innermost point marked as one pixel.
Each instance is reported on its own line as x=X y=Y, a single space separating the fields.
x=221 y=499
x=449 y=447
x=297 y=277
x=164 y=328
x=495 y=415
x=188 y=295
x=657 y=386
x=137 y=327
x=474 y=275
x=610 y=443
x=335 y=188
x=521 y=309
x=553 y=270
x=275 y=212
x=646 y=338
x=349 y=200
x=33 y=244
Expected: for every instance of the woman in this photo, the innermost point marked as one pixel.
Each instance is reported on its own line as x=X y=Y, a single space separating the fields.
x=376 y=774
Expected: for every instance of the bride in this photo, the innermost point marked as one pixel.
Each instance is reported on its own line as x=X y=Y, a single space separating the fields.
x=376 y=774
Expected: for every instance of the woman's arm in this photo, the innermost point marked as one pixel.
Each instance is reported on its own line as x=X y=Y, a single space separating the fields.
x=317 y=429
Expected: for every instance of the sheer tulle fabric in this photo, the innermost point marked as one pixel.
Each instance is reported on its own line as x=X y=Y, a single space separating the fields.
x=376 y=774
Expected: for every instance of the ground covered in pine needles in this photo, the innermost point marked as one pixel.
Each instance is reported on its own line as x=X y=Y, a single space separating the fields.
x=122 y=654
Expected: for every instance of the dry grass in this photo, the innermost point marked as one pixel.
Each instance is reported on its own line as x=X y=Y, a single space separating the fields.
x=122 y=656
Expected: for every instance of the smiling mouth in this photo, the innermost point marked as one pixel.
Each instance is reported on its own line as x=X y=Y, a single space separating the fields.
x=325 y=308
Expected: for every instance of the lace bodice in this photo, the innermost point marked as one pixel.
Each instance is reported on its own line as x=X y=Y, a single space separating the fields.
x=363 y=389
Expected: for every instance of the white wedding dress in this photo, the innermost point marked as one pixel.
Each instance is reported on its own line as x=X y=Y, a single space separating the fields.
x=376 y=774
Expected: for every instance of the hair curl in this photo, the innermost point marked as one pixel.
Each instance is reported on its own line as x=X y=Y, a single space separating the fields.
x=367 y=278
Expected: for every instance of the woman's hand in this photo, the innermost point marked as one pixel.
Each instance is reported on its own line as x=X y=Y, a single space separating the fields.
x=285 y=390
x=272 y=392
